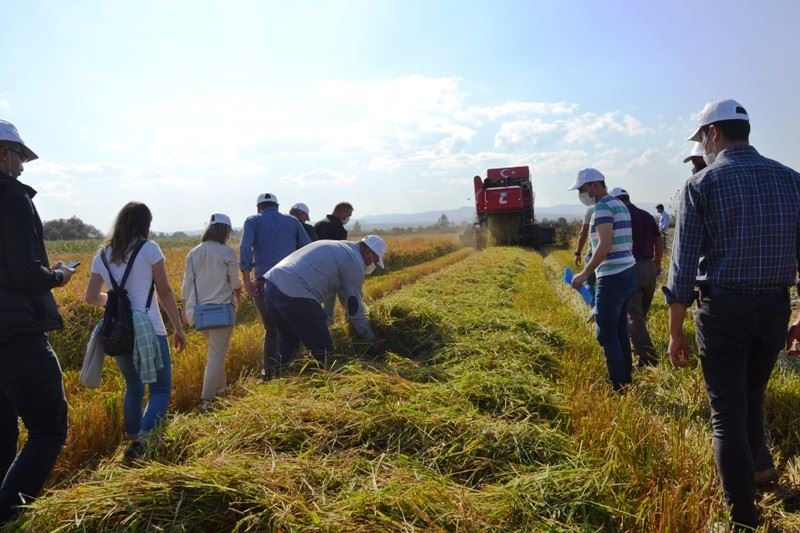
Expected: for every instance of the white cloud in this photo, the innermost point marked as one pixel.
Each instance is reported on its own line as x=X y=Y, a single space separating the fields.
x=516 y=108
x=55 y=189
x=121 y=175
x=590 y=126
x=5 y=105
x=320 y=177
x=650 y=158
x=522 y=132
x=114 y=145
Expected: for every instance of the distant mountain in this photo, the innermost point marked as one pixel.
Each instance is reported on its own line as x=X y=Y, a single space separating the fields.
x=467 y=214
x=426 y=218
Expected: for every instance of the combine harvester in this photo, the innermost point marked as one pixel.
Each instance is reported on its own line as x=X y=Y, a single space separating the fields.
x=504 y=207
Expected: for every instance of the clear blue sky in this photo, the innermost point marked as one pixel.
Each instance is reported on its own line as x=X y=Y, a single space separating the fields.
x=195 y=107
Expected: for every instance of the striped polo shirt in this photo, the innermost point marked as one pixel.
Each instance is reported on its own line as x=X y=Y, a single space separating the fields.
x=609 y=210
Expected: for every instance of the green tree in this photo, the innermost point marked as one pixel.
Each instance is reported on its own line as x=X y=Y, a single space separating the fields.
x=70 y=229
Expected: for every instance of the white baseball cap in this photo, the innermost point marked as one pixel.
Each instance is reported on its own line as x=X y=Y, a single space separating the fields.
x=717 y=110
x=697 y=151
x=377 y=245
x=9 y=133
x=616 y=192
x=267 y=197
x=219 y=218
x=587 y=175
x=300 y=206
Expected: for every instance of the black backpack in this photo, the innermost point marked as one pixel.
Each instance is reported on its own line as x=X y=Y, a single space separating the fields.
x=117 y=332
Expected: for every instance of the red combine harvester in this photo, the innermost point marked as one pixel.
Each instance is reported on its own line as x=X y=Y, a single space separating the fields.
x=504 y=204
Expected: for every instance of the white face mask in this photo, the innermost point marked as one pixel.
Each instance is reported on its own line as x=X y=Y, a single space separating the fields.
x=709 y=157
x=369 y=269
x=587 y=199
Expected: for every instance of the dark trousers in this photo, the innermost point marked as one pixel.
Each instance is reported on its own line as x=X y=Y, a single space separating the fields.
x=638 y=307
x=611 y=324
x=739 y=335
x=299 y=320
x=31 y=389
x=270 y=364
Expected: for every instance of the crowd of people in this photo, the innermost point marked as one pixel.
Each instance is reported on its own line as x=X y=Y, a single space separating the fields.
x=292 y=270
x=735 y=253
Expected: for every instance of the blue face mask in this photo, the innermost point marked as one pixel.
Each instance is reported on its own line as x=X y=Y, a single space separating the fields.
x=369 y=269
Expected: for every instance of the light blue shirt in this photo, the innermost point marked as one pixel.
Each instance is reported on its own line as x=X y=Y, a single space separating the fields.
x=321 y=271
x=267 y=238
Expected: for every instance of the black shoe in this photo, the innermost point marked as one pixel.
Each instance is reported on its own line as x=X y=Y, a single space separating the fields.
x=135 y=450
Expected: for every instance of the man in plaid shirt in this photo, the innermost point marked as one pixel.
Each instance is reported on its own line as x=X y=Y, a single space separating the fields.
x=742 y=214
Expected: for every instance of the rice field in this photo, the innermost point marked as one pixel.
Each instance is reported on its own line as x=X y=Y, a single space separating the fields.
x=489 y=410
x=96 y=415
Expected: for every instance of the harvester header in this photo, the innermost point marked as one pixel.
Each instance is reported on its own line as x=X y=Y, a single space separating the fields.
x=504 y=202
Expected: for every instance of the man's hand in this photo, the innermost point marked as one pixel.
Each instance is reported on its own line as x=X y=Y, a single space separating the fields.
x=793 y=340
x=579 y=280
x=180 y=339
x=251 y=288
x=578 y=259
x=679 y=350
x=64 y=270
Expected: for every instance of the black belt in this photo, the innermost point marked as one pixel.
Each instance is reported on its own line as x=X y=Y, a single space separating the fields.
x=707 y=291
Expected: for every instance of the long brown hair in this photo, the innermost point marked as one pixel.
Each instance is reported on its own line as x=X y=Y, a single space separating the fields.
x=132 y=224
x=217 y=232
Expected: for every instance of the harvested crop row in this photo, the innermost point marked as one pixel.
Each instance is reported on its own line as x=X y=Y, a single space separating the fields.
x=458 y=427
x=96 y=415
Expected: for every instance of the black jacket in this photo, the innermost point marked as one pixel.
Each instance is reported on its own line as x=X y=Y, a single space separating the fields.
x=26 y=303
x=330 y=228
x=312 y=234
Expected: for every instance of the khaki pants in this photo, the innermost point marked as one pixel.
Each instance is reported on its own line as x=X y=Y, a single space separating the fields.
x=214 y=380
x=638 y=306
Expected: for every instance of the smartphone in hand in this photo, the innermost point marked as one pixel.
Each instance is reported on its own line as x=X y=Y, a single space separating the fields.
x=72 y=264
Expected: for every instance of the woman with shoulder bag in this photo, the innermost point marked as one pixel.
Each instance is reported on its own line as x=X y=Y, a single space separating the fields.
x=146 y=274
x=211 y=292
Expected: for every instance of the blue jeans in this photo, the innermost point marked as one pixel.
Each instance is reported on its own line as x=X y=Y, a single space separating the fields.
x=138 y=422
x=298 y=320
x=739 y=335
x=611 y=323
x=31 y=389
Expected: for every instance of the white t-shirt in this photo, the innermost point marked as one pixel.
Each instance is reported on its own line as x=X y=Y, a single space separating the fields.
x=139 y=280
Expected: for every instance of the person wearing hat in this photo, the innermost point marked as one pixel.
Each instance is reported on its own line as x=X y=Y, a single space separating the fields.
x=613 y=264
x=267 y=238
x=647 y=251
x=742 y=212
x=31 y=386
x=211 y=276
x=333 y=226
x=300 y=212
x=696 y=158
x=302 y=289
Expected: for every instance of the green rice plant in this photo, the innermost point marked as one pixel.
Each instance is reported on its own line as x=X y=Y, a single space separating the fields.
x=363 y=447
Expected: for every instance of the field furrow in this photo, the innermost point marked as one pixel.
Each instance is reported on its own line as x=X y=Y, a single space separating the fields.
x=459 y=426
x=96 y=415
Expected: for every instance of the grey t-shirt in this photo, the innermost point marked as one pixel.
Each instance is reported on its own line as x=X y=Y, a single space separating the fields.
x=322 y=270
